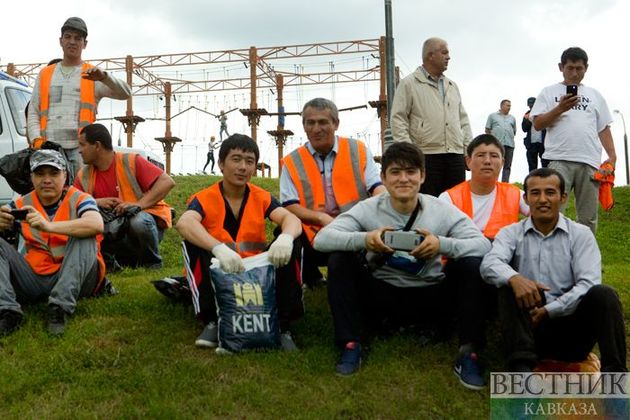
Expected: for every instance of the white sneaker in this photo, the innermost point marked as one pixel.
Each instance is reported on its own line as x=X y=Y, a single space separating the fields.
x=209 y=337
x=286 y=342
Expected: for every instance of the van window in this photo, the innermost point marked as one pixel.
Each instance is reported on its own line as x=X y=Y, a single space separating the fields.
x=18 y=99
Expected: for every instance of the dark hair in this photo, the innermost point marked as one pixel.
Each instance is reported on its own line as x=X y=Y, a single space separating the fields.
x=241 y=142
x=574 y=54
x=322 y=104
x=504 y=101
x=98 y=132
x=402 y=153
x=544 y=173
x=486 y=139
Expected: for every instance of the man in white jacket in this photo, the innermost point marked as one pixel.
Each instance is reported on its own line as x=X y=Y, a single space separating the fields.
x=428 y=111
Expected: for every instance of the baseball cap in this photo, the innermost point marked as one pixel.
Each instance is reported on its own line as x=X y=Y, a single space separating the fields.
x=531 y=100
x=75 y=23
x=47 y=157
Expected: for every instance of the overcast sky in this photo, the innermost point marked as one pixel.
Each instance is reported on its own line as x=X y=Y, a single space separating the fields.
x=499 y=49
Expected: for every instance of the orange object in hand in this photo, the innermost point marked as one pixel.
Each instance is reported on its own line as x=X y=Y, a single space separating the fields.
x=606 y=178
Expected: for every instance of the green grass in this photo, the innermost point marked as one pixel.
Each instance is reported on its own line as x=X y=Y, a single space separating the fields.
x=132 y=356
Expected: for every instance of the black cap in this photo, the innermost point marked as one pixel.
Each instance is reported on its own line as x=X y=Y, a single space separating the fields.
x=75 y=23
x=530 y=101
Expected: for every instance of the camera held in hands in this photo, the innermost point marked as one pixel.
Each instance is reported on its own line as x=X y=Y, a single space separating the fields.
x=402 y=240
x=19 y=214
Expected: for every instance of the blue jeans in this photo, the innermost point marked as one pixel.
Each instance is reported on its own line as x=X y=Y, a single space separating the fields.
x=140 y=247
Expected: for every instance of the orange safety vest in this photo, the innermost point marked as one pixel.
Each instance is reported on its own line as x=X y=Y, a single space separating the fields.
x=129 y=189
x=504 y=212
x=348 y=178
x=251 y=238
x=45 y=251
x=87 y=106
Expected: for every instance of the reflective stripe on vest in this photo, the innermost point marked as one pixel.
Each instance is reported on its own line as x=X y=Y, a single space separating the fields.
x=129 y=189
x=251 y=238
x=505 y=210
x=87 y=104
x=348 y=178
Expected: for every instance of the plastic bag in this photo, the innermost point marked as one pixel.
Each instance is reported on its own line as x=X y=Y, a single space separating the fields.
x=116 y=226
x=246 y=305
x=16 y=167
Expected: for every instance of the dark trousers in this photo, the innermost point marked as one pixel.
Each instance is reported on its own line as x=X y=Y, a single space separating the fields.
x=443 y=171
x=288 y=286
x=535 y=152
x=209 y=158
x=361 y=303
x=311 y=262
x=598 y=318
x=507 y=163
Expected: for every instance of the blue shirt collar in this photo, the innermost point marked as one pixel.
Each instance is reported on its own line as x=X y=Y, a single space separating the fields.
x=313 y=152
x=562 y=225
x=428 y=75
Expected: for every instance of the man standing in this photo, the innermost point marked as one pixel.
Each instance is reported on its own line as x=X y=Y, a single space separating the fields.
x=502 y=125
x=325 y=177
x=534 y=140
x=552 y=304
x=578 y=125
x=118 y=182
x=490 y=204
x=60 y=259
x=66 y=95
x=411 y=286
x=428 y=111
x=227 y=221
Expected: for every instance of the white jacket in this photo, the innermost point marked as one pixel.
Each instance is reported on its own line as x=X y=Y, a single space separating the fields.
x=420 y=116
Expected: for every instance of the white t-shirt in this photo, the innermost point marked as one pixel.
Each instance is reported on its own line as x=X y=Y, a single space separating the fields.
x=574 y=136
x=482 y=207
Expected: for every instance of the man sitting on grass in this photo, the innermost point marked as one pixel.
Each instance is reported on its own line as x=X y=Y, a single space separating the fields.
x=405 y=287
x=552 y=304
x=60 y=259
x=227 y=221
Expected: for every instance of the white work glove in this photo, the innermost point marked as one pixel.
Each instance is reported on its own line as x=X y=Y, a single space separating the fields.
x=229 y=260
x=280 y=250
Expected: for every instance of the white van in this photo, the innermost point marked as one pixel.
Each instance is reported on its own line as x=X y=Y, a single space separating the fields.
x=14 y=96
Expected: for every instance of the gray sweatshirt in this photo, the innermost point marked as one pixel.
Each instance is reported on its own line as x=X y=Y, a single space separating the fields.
x=458 y=236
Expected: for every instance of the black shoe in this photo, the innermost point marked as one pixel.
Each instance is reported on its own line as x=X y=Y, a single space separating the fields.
x=9 y=322
x=57 y=318
x=112 y=266
x=175 y=289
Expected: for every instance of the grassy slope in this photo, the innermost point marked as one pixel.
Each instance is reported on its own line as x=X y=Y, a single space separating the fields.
x=133 y=356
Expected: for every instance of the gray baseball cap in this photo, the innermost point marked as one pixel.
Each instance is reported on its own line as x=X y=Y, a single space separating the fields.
x=75 y=23
x=48 y=158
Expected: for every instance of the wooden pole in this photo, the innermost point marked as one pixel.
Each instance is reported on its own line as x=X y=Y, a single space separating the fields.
x=280 y=89
x=382 y=97
x=253 y=59
x=129 y=126
x=168 y=134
